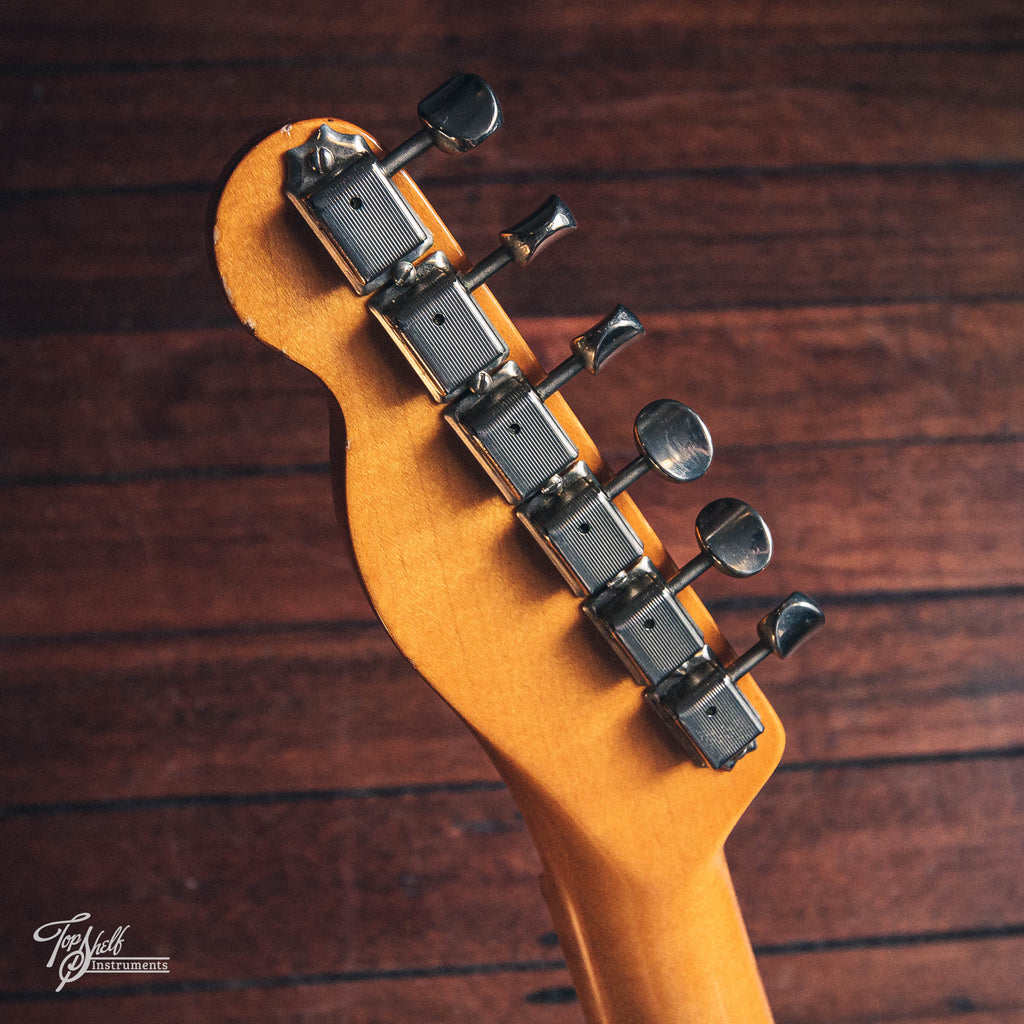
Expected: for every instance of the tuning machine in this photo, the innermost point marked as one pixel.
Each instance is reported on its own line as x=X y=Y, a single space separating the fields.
x=508 y=427
x=575 y=519
x=349 y=198
x=639 y=612
x=703 y=706
x=430 y=312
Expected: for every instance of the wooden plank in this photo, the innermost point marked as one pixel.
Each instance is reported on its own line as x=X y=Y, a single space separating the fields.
x=961 y=982
x=957 y=982
x=324 y=708
x=89 y=33
x=127 y=404
x=153 y=125
x=339 y=708
x=250 y=890
x=519 y=997
x=123 y=404
x=253 y=890
x=211 y=553
x=856 y=852
x=138 y=261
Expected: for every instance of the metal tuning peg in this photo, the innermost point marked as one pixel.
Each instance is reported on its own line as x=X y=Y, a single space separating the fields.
x=523 y=241
x=430 y=312
x=780 y=632
x=591 y=350
x=672 y=440
x=508 y=427
x=456 y=118
x=733 y=539
x=349 y=199
x=638 y=611
x=575 y=519
x=700 y=701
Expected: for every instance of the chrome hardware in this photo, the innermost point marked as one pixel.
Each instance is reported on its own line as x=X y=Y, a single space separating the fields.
x=701 y=702
x=590 y=351
x=706 y=712
x=511 y=431
x=645 y=623
x=438 y=326
x=456 y=118
x=508 y=427
x=781 y=632
x=429 y=311
x=347 y=195
x=359 y=215
x=672 y=440
x=733 y=538
x=638 y=611
x=523 y=241
x=580 y=528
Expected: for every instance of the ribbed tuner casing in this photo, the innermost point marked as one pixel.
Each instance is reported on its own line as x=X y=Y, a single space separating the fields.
x=369 y=220
x=513 y=434
x=440 y=328
x=582 y=531
x=645 y=623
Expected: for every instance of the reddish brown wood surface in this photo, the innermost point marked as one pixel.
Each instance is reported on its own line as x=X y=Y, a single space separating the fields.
x=816 y=209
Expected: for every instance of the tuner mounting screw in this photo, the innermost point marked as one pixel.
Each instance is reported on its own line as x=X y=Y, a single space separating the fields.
x=403 y=273
x=320 y=160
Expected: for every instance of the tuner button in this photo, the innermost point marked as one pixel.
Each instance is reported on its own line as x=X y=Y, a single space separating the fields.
x=605 y=339
x=733 y=538
x=785 y=628
x=781 y=632
x=525 y=239
x=592 y=349
x=522 y=241
x=461 y=114
x=672 y=440
x=457 y=117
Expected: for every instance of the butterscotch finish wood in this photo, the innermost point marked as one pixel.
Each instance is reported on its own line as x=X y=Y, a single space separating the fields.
x=629 y=831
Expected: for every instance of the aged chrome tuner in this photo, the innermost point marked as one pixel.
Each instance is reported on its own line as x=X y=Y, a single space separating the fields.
x=429 y=311
x=347 y=195
x=581 y=529
x=781 y=632
x=575 y=519
x=508 y=427
x=703 y=706
x=591 y=350
x=638 y=611
x=672 y=440
x=733 y=539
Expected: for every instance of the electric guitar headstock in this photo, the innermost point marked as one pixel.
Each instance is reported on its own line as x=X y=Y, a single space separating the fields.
x=509 y=563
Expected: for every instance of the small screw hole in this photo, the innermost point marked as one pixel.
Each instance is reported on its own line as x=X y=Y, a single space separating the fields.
x=711 y=711
x=439 y=319
x=583 y=527
x=649 y=625
x=356 y=203
x=514 y=428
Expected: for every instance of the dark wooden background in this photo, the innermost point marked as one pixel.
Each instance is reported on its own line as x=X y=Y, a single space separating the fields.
x=818 y=209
